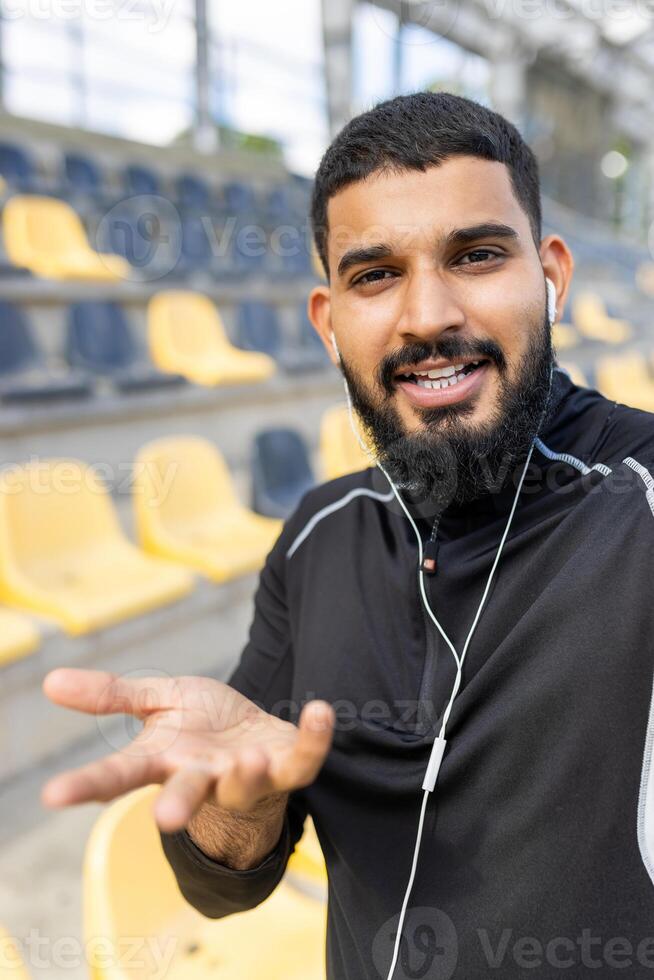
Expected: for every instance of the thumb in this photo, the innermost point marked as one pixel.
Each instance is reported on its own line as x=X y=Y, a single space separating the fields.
x=315 y=734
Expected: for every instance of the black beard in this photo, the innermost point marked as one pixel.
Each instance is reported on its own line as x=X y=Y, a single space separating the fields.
x=447 y=463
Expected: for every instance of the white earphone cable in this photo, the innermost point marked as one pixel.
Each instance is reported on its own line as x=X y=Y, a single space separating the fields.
x=439 y=744
x=457 y=682
x=455 y=688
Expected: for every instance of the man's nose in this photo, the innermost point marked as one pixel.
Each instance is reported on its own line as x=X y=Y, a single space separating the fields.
x=430 y=308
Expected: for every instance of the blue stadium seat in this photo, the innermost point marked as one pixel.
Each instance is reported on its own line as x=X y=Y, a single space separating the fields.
x=83 y=175
x=201 y=239
x=99 y=339
x=196 y=246
x=279 y=205
x=288 y=203
x=24 y=376
x=297 y=264
x=258 y=328
x=310 y=342
x=250 y=256
x=303 y=189
x=145 y=231
x=240 y=199
x=281 y=472
x=17 y=167
x=141 y=180
x=193 y=193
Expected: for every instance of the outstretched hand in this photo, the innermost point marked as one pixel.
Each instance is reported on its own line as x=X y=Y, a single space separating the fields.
x=201 y=739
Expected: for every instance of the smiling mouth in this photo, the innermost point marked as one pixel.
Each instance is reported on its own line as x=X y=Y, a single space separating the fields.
x=442 y=378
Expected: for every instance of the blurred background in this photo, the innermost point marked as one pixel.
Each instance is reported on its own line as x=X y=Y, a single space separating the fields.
x=164 y=401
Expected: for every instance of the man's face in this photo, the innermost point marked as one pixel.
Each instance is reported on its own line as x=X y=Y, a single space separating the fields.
x=417 y=283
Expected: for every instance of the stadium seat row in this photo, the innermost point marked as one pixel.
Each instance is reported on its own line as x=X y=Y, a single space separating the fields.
x=81 y=175
x=590 y=320
x=626 y=377
x=140 y=240
x=187 y=342
x=64 y=555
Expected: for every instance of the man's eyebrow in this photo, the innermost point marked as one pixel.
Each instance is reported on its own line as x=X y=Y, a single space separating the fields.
x=487 y=229
x=458 y=236
x=369 y=253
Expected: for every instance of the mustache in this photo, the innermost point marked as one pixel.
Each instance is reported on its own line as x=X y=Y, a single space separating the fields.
x=450 y=350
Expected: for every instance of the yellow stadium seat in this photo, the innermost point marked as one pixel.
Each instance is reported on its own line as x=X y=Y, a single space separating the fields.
x=340 y=452
x=18 y=637
x=591 y=319
x=11 y=963
x=130 y=891
x=187 y=336
x=645 y=278
x=576 y=374
x=46 y=236
x=564 y=336
x=64 y=555
x=306 y=866
x=626 y=379
x=187 y=510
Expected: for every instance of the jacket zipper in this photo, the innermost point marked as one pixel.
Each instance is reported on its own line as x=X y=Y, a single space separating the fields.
x=429 y=564
x=430 y=553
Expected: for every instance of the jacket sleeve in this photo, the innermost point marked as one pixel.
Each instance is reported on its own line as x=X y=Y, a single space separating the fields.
x=263 y=674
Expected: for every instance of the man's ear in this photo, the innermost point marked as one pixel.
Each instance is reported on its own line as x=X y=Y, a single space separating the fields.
x=558 y=265
x=319 y=312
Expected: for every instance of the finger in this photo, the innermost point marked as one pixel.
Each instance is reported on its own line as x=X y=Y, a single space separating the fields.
x=246 y=781
x=99 y=692
x=315 y=733
x=181 y=795
x=101 y=780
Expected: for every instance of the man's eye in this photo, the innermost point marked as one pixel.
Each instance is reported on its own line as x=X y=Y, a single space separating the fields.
x=477 y=251
x=375 y=275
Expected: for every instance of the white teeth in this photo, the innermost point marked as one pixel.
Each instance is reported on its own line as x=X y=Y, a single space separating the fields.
x=444 y=383
x=445 y=372
x=439 y=377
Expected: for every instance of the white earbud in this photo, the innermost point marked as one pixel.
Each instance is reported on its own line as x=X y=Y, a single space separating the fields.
x=335 y=346
x=551 y=300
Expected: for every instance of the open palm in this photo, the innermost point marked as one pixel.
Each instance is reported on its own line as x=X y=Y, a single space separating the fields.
x=201 y=739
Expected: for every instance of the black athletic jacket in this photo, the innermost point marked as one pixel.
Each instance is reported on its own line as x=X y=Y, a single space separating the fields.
x=537 y=855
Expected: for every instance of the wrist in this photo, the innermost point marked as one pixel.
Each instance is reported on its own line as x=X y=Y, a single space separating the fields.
x=237 y=839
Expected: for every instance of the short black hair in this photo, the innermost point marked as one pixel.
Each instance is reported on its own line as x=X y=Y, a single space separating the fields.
x=417 y=131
